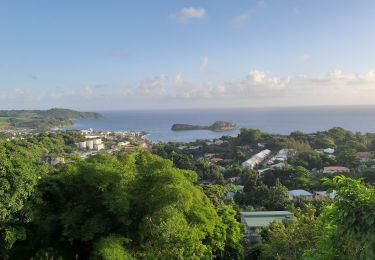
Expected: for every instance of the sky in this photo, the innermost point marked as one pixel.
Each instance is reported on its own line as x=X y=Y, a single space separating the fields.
x=170 y=54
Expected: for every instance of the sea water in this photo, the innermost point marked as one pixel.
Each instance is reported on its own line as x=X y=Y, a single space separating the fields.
x=272 y=120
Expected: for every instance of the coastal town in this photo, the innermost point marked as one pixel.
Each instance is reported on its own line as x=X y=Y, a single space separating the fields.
x=269 y=178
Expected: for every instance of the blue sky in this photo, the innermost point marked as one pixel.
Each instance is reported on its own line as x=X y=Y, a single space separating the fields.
x=91 y=54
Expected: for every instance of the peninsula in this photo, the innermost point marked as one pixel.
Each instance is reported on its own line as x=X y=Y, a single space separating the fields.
x=42 y=119
x=218 y=126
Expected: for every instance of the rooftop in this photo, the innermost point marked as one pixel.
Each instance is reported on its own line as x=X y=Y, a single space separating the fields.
x=299 y=193
x=264 y=218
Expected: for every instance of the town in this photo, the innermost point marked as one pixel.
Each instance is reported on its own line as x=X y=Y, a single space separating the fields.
x=267 y=178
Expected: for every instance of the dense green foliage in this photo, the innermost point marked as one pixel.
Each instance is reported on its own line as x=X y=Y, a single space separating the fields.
x=178 y=203
x=113 y=207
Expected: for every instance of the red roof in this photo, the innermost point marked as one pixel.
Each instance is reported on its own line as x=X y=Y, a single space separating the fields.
x=216 y=159
x=364 y=155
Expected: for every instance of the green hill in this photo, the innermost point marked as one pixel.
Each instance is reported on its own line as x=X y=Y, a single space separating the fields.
x=43 y=119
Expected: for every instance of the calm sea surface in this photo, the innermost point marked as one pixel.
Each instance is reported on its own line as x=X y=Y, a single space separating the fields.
x=273 y=120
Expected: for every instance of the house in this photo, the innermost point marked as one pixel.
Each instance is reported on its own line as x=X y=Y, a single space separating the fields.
x=215 y=160
x=329 y=150
x=218 y=142
x=234 y=179
x=326 y=150
x=256 y=159
x=240 y=188
x=52 y=160
x=126 y=143
x=98 y=147
x=282 y=155
x=335 y=169
x=261 y=171
x=255 y=220
x=300 y=194
x=279 y=165
x=364 y=156
x=324 y=195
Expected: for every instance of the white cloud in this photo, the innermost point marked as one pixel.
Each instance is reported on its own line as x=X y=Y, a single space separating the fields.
x=242 y=18
x=188 y=13
x=304 y=58
x=204 y=65
x=153 y=87
x=179 y=79
x=256 y=88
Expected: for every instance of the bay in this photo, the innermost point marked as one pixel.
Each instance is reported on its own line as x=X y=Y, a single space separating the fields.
x=272 y=120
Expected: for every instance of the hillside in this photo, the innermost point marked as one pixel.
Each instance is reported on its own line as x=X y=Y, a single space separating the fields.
x=42 y=119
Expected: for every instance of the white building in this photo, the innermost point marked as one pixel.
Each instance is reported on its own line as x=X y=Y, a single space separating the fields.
x=324 y=194
x=256 y=159
x=282 y=155
x=300 y=194
x=98 y=147
x=335 y=169
x=97 y=141
x=90 y=144
x=81 y=145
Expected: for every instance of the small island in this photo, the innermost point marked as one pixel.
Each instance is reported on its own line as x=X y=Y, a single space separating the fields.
x=42 y=119
x=218 y=126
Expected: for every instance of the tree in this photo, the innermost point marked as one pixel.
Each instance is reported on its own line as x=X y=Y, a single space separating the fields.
x=20 y=171
x=309 y=160
x=289 y=240
x=249 y=136
x=293 y=177
x=125 y=206
x=347 y=224
x=348 y=157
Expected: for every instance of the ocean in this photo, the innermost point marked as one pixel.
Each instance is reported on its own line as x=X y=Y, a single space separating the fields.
x=272 y=120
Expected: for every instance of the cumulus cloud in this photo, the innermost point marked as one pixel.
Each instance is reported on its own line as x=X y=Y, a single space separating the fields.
x=255 y=88
x=204 y=65
x=188 y=13
x=259 y=87
x=179 y=79
x=153 y=87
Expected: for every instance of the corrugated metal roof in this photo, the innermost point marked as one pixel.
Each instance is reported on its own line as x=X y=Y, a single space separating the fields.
x=264 y=218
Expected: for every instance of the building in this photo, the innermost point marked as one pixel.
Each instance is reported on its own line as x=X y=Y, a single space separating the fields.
x=98 y=147
x=240 y=188
x=279 y=165
x=255 y=220
x=218 y=142
x=335 y=169
x=90 y=144
x=215 y=160
x=51 y=160
x=324 y=195
x=300 y=194
x=364 y=156
x=81 y=145
x=97 y=141
x=329 y=150
x=256 y=159
x=282 y=155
